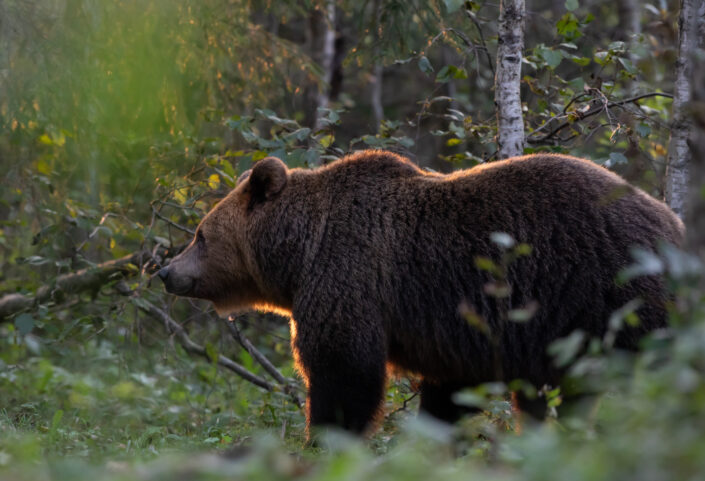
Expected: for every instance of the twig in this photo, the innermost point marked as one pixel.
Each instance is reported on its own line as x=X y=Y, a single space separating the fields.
x=403 y=406
x=471 y=16
x=599 y=107
x=171 y=222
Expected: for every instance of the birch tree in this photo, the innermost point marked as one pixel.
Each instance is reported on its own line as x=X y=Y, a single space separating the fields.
x=679 y=155
x=510 y=124
x=695 y=218
x=321 y=44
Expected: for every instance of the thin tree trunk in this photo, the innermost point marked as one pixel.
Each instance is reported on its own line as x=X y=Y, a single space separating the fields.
x=321 y=44
x=695 y=217
x=378 y=71
x=629 y=12
x=376 y=95
x=510 y=124
x=327 y=58
x=679 y=155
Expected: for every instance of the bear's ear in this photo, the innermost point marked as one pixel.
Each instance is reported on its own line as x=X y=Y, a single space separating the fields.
x=243 y=177
x=268 y=178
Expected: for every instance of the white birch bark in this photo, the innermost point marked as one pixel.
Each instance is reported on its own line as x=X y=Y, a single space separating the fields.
x=679 y=155
x=695 y=213
x=510 y=123
x=327 y=58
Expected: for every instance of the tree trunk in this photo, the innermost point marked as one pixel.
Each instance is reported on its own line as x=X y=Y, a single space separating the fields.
x=327 y=57
x=679 y=155
x=629 y=12
x=321 y=44
x=376 y=95
x=695 y=217
x=510 y=124
x=378 y=70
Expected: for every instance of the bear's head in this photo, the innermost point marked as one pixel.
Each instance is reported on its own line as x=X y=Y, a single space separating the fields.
x=219 y=264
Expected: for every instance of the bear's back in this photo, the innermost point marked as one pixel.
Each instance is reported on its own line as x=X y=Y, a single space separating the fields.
x=410 y=240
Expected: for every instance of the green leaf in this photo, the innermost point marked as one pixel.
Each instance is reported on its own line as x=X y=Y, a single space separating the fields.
x=643 y=130
x=617 y=47
x=552 y=57
x=582 y=61
x=24 y=323
x=449 y=72
x=569 y=27
x=565 y=349
x=485 y=264
x=55 y=421
x=602 y=57
x=628 y=65
x=425 y=65
x=326 y=140
x=571 y=5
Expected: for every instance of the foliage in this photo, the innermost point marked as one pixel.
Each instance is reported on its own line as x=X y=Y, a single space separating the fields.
x=122 y=123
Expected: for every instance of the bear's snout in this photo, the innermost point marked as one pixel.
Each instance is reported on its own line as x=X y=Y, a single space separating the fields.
x=163 y=273
x=175 y=284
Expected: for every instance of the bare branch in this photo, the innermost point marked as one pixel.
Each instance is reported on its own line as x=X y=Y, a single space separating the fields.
x=171 y=222
x=82 y=280
x=472 y=17
x=594 y=108
x=288 y=385
x=190 y=346
x=254 y=352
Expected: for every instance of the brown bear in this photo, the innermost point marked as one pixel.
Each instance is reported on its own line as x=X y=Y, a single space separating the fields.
x=373 y=258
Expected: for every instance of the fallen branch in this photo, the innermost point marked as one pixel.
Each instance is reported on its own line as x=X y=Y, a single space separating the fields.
x=82 y=280
x=192 y=347
x=597 y=106
x=256 y=354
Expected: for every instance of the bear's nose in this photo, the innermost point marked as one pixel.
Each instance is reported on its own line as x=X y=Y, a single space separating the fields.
x=163 y=273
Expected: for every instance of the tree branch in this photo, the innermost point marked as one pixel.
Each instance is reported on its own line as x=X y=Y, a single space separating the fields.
x=472 y=17
x=231 y=325
x=593 y=109
x=192 y=347
x=172 y=223
x=82 y=280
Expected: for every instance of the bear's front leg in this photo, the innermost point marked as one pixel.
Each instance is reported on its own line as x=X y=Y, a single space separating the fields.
x=344 y=364
x=349 y=398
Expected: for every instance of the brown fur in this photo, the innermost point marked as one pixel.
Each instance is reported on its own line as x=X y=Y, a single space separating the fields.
x=373 y=258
